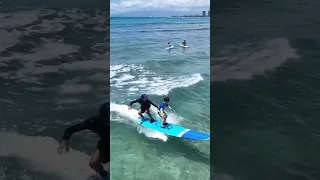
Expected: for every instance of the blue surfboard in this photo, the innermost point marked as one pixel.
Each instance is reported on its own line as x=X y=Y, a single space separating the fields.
x=174 y=130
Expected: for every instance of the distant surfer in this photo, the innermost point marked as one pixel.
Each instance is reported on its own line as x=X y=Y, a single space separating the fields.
x=100 y=125
x=184 y=43
x=161 y=112
x=169 y=45
x=145 y=106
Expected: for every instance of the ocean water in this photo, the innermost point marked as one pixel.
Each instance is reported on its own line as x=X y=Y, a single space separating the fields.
x=265 y=90
x=53 y=73
x=139 y=63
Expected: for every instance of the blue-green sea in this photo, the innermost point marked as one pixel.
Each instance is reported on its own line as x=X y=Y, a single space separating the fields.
x=139 y=63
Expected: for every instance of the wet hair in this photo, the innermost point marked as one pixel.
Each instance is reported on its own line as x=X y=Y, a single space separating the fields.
x=166 y=99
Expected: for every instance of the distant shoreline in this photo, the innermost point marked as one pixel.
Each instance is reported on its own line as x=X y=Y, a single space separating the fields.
x=191 y=16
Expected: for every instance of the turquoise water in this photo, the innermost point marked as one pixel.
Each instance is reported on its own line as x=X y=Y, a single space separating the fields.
x=141 y=64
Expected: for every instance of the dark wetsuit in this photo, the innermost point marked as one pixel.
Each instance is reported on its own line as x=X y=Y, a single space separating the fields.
x=99 y=126
x=145 y=105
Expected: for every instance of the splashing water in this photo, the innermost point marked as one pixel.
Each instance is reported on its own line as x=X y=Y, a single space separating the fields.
x=132 y=115
x=135 y=78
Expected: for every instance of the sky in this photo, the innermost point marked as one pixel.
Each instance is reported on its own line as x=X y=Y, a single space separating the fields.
x=124 y=6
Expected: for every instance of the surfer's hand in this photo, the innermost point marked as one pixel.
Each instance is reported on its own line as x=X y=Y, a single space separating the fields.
x=129 y=108
x=64 y=147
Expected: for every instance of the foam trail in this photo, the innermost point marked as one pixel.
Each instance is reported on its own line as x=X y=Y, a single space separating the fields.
x=41 y=153
x=138 y=78
x=132 y=115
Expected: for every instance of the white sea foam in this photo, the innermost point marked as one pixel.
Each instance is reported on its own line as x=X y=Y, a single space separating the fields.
x=137 y=78
x=130 y=117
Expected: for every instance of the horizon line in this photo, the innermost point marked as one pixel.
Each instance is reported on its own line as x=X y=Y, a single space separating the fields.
x=159 y=10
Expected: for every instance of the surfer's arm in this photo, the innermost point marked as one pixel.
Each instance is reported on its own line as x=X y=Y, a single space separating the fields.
x=86 y=124
x=132 y=102
x=153 y=104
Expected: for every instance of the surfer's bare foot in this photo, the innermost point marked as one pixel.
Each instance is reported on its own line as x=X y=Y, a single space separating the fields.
x=152 y=120
x=163 y=126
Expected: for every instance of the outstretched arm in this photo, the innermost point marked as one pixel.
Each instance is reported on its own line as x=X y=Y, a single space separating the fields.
x=153 y=104
x=86 y=124
x=134 y=101
x=76 y=128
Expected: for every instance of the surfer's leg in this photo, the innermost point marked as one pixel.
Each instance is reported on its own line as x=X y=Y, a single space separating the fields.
x=96 y=165
x=98 y=157
x=141 y=111
x=149 y=114
x=104 y=150
x=164 y=119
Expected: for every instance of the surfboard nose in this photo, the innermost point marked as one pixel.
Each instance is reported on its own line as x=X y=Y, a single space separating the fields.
x=195 y=135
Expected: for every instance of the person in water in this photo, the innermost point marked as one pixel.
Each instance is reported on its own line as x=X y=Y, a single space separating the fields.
x=161 y=112
x=145 y=106
x=100 y=125
x=184 y=43
x=169 y=45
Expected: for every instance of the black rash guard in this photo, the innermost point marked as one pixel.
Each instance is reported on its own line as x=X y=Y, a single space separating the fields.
x=143 y=103
x=98 y=125
x=95 y=124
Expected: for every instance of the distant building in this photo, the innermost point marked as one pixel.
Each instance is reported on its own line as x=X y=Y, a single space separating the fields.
x=203 y=13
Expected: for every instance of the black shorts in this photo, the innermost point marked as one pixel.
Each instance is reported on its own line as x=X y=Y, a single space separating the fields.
x=144 y=108
x=104 y=151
